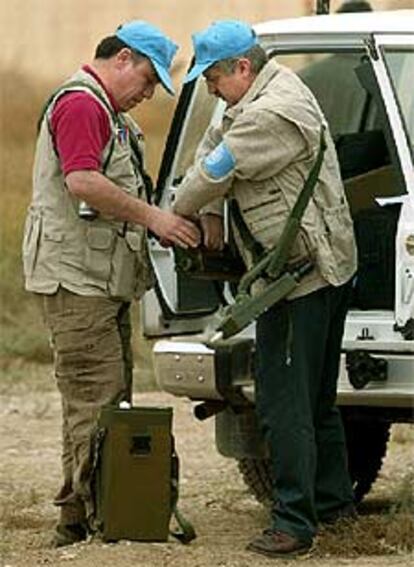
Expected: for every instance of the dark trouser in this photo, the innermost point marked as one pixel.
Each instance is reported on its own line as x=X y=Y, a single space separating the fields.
x=93 y=367
x=298 y=353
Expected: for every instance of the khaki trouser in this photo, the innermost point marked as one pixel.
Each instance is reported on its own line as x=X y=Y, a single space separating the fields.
x=93 y=367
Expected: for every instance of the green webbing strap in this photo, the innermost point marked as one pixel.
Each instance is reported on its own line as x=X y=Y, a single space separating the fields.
x=292 y=226
x=274 y=261
x=187 y=533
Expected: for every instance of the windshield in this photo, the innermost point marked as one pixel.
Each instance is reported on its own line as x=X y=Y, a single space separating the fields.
x=400 y=64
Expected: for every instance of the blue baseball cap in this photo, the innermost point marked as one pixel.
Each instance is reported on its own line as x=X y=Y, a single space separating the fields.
x=221 y=40
x=151 y=42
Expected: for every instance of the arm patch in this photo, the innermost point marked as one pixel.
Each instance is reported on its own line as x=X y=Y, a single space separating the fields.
x=218 y=163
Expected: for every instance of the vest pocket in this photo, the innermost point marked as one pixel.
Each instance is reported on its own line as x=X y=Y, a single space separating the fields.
x=266 y=220
x=125 y=261
x=98 y=252
x=337 y=245
x=31 y=241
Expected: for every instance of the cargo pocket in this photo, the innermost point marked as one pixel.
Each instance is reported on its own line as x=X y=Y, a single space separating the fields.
x=304 y=247
x=71 y=341
x=88 y=352
x=31 y=241
x=125 y=261
x=337 y=252
x=266 y=220
x=98 y=252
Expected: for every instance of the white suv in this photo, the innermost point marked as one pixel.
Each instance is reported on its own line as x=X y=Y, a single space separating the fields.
x=361 y=69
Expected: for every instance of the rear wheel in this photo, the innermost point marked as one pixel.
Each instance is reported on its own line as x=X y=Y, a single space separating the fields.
x=366 y=445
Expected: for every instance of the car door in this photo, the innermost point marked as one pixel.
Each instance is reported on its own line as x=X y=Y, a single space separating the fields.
x=386 y=74
x=394 y=69
x=180 y=304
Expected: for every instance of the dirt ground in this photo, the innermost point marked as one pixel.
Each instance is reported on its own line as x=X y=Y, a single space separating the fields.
x=213 y=495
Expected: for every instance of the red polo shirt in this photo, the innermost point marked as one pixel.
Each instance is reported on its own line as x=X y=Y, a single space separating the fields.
x=81 y=129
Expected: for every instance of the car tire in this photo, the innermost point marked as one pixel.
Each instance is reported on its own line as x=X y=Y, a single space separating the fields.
x=366 y=444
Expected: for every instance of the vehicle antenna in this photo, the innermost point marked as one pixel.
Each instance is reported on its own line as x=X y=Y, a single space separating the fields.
x=322 y=6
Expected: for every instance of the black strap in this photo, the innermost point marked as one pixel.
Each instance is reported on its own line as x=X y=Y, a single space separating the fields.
x=253 y=246
x=186 y=532
x=139 y=162
x=365 y=112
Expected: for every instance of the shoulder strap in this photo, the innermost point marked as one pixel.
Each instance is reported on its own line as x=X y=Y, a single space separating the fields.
x=138 y=158
x=253 y=246
x=281 y=250
x=73 y=85
x=292 y=225
x=274 y=261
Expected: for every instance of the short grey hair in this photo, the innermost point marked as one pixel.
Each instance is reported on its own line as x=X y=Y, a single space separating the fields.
x=256 y=55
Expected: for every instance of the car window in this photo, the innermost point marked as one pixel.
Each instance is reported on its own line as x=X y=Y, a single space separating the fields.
x=345 y=104
x=400 y=64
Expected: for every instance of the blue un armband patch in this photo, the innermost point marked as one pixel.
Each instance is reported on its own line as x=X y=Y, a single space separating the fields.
x=219 y=162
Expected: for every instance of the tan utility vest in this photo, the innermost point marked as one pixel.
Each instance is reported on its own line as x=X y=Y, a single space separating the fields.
x=102 y=257
x=326 y=233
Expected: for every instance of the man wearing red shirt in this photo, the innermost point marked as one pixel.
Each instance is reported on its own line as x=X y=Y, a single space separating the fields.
x=84 y=249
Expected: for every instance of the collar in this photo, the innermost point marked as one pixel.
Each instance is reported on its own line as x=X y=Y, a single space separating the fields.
x=266 y=75
x=88 y=69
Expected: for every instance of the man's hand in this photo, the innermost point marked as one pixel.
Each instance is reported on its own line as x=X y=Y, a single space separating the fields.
x=110 y=200
x=173 y=229
x=213 y=231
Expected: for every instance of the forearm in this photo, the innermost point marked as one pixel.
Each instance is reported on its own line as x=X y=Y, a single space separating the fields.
x=110 y=200
x=198 y=190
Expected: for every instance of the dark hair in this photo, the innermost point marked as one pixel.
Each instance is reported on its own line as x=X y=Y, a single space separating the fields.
x=108 y=47
x=111 y=45
x=354 y=6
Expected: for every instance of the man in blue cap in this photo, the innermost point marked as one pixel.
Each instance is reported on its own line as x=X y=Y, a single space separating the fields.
x=259 y=158
x=85 y=254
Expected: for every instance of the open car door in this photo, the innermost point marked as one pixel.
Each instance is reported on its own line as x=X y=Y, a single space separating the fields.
x=395 y=70
x=180 y=304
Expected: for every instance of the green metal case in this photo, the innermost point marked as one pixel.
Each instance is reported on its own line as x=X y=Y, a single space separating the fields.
x=133 y=488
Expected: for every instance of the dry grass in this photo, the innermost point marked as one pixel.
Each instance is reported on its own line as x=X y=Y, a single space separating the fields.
x=21 y=333
x=20 y=511
x=379 y=534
